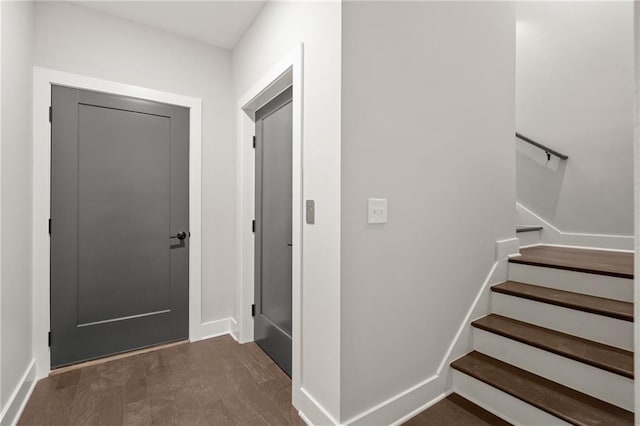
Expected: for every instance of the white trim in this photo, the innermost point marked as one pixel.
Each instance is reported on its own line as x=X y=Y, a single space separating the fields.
x=583 y=247
x=636 y=215
x=313 y=411
x=1 y=56
x=42 y=80
x=18 y=399
x=481 y=306
x=419 y=410
x=507 y=248
x=217 y=328
x=552 y=235
x=393 y=410
x=305 y=418
x=286 y=72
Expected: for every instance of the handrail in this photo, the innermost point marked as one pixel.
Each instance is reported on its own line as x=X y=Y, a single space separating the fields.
x=546 y=149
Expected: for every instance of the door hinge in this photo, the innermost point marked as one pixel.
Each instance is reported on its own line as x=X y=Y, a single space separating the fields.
x=253 y=310
x=254 y=141
x=253 y=226
x=50 y=115
x=49 y=226
x=49 y=339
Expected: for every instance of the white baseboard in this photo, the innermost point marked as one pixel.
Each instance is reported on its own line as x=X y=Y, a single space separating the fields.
x=394 y=410
x=552 y=235
x=304 y=418
x=18 y=400
x=311 y=411
x=218 y=328
x=419 y=410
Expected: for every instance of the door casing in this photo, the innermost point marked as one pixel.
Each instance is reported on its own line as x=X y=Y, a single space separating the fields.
x=286 y=72
x=43 y=78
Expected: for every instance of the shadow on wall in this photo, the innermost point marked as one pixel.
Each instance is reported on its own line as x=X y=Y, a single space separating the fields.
x=538 y=180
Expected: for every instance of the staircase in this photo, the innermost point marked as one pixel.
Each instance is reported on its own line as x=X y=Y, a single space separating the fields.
x=529 y=235
x=556 y=348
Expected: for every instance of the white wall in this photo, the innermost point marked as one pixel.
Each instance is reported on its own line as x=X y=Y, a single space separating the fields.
x=15 y=322
x=279 y=27
x=574 y=93
x=427 y=122
x=81 y=41
x=637 y=204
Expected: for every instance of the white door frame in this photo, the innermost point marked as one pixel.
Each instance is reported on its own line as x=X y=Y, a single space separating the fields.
x=43 y=78
x=285 y=73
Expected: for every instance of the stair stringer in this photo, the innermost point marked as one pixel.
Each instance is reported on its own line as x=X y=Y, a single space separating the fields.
x=552 y=235
x=438 y=386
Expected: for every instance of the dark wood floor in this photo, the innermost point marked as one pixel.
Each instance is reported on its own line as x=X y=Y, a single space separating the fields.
x=455 y=410
x=211 y=382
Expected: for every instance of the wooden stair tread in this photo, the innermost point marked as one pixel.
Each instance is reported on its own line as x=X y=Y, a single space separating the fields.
x=567 y=404
x=523 y=228
x=456 y=410
x=602 y=262
x=609 y=358
x=567 y=299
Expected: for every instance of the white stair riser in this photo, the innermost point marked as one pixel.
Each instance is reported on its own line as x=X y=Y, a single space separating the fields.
x=529 y=238
x=501 y=403
x=578 y=282
x=599 y=328
x=601 y=384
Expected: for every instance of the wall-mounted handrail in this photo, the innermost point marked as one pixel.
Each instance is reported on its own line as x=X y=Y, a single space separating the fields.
x=545 y=148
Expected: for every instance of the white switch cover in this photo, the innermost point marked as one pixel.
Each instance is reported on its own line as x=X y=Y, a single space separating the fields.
x=377 y=212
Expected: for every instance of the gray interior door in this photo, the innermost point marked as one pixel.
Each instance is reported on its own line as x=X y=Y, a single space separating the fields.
x=119 y=224
x=272 y=322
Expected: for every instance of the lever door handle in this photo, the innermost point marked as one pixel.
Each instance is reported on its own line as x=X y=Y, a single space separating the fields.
x=290 y=244
x=180 y=235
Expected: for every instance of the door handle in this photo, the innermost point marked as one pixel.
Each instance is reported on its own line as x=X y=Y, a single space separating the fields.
x=290 y=244
x=180 y=235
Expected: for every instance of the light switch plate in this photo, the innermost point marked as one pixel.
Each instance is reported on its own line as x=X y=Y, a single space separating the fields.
x=377 y=210
x=311 y=212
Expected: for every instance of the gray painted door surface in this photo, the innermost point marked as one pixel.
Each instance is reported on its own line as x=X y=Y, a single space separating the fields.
x=119 y=190
x=272 y=322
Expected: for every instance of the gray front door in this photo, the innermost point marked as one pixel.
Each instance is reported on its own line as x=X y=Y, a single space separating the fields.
x=272 y=322
x=119 y=224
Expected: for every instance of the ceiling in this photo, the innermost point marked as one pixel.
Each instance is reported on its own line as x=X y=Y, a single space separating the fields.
x=219 y=23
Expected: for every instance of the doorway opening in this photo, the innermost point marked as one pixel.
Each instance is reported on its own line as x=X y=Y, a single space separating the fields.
x=287 y=73
x=273 y=245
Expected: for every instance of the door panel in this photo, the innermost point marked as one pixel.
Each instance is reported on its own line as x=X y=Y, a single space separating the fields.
x=272 y=325
x=119 y=189
x=123 y=161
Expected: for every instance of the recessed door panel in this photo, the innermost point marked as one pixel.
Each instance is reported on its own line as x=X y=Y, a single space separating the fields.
x=272 y=323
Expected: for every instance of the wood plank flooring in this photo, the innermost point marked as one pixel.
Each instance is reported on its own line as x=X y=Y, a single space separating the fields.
x=615 y=264
x=211 y=382
x=456 y=410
